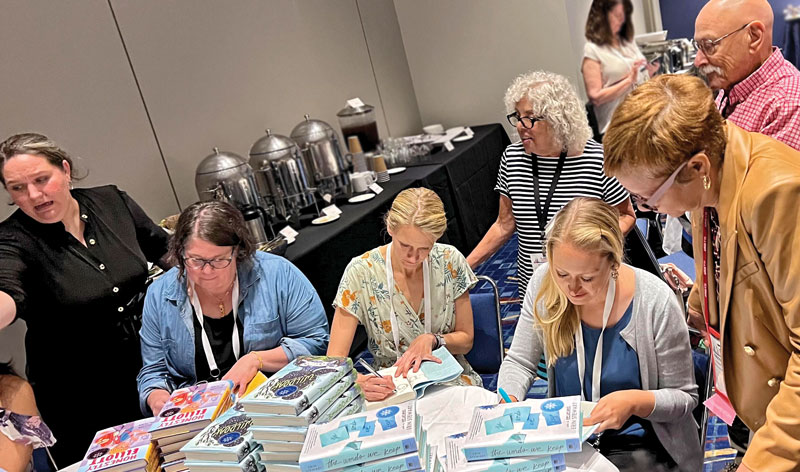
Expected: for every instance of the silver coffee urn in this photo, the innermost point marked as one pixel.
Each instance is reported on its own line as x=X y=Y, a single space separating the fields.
x=281 y=175
x=322 y=155
x=227 y=177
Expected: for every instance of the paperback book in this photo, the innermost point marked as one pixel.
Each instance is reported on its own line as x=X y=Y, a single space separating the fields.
x=528 y=428
x=192 y=408
x=457 y=461
x=227 y=438
x=414 y=384
x=401 y=463
x=122 y=448
x=293 y=388
x=249 y=463
x=355 y=439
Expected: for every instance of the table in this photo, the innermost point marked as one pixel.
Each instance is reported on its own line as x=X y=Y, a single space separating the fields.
x=464 y=178
x=448 y=410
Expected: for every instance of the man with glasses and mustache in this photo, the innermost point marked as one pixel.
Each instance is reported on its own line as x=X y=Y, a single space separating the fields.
x=759 y=89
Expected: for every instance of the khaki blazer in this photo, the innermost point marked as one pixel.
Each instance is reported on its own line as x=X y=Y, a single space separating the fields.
x=758 y=309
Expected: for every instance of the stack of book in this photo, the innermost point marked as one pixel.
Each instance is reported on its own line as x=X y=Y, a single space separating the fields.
x=532 y=435
x=185 y=414
x=225 y=445
x=376 y=441
x=307 y=391
x=124 y=448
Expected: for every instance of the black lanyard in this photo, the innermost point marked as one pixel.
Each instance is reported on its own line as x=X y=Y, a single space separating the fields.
x=541 y=213
x=726 y=100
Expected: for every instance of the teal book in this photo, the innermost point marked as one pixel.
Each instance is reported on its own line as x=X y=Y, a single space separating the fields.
x=528 y=428
x=402 y=463
x=279 y=433
x=227 y=438
x=251 y=463
x=359 y=438
x=295 y=387
x=456 y=460
x=352 y=401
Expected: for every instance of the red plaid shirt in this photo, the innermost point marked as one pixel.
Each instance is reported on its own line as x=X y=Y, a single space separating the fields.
x=768 y=101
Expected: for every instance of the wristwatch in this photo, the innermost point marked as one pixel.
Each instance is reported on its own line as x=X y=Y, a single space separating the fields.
x=440 y=341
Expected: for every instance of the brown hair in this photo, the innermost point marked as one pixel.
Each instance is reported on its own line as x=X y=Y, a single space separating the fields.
x=218 y=223
x=661 y=124
x=420 y=207
x=34 y=143
x=590 y=225
x=598 y=30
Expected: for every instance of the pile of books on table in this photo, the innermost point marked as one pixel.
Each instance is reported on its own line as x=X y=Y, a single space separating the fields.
x=185 y=414
x=309 y=390
x=532 y=435
x=225 y=445
x=123 y=448
x=375 y=441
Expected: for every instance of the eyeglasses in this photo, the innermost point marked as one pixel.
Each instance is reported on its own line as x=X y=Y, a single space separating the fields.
x=527 y=122
x=198 y=263
x=650 y=203
x=709 y=46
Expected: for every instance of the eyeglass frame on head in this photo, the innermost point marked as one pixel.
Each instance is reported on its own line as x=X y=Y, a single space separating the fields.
x=651 y=203
x=511 y=117
x=210 y=262
x=705 y=44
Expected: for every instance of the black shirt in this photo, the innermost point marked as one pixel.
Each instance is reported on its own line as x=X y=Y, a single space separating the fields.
x=220 y=333
x=77 y=302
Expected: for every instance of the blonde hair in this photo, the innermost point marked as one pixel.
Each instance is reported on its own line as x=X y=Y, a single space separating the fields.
x=590 y=225
x=420 y=207
x=661 y=125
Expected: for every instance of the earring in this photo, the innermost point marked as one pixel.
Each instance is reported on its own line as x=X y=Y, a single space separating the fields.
x=706 y=182
x=614 y=274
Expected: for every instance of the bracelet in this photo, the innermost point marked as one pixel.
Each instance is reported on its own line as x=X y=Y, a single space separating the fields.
x=260 y=363
x=436 y=343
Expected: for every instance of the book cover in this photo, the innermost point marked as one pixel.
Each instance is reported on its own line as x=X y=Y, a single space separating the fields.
x=281 y=467
x=123 y=447
x=227 y=438
x=401 y=463
x=250 y=463
x=280 y=456
x=191 y=408
x=414 y=384
x=359 y=438
x=527 y=428
x=352 y=398
x=293 y=388
x=457 y=461
x=281 y=446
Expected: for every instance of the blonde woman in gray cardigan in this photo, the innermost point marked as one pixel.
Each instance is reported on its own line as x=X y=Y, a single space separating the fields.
x=597 y=318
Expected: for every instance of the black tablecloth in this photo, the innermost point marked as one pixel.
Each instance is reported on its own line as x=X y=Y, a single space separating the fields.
x=464 y=178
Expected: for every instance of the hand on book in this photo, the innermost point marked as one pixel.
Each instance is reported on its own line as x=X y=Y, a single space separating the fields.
x=418 y=352
x=376 y=388
x=156 y=400
x=242 y=373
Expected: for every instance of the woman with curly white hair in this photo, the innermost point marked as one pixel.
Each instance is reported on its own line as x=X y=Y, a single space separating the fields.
x=555 y=161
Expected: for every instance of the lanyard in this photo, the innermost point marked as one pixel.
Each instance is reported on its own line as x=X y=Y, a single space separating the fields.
x=714 y=337
x=598 y=353
x=426 y=296
x=198 y=312
x=541 y=213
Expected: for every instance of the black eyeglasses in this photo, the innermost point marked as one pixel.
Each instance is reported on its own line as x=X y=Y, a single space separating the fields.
x=527 y=122
x=709 y=46
x=198 y=263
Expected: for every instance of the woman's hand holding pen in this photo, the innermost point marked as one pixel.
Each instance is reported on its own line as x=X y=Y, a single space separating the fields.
x=376 y=388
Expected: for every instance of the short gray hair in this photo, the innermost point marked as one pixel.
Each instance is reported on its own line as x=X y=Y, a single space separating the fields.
x=553 y=98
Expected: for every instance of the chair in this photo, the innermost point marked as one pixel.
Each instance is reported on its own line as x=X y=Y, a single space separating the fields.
x=487 y=348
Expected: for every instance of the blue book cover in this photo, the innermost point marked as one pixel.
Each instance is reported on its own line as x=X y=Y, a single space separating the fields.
x=527 y=428
x=295 y=387
x=456 y=460
x=227 y=438
x=355 y=439
x=402 y=463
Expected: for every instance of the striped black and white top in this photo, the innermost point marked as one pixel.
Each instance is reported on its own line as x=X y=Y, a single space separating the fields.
x=582 y=176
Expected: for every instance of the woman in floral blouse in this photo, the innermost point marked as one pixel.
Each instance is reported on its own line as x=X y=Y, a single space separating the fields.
x=399 y=330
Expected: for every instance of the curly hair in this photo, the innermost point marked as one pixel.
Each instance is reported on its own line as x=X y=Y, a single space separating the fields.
x=597 y=27
x=553 y=98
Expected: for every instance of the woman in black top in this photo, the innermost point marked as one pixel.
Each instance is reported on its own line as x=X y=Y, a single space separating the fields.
x=73 y=264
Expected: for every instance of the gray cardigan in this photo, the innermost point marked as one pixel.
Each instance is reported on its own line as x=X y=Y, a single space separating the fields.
x=658 y=334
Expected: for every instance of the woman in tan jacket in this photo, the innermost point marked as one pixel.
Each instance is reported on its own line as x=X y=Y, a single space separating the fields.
x=670 y=148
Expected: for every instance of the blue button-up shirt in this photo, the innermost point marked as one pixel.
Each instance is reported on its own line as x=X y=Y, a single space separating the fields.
x=277 y=307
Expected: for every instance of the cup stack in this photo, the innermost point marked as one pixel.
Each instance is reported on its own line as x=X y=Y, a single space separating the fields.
x=379 y=166
x=359 y=160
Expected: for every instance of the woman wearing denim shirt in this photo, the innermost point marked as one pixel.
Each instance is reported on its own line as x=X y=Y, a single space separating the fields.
x=278 y=315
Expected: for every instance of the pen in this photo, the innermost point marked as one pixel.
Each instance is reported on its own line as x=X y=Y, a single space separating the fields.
x=369 y=368
x=505 y=396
